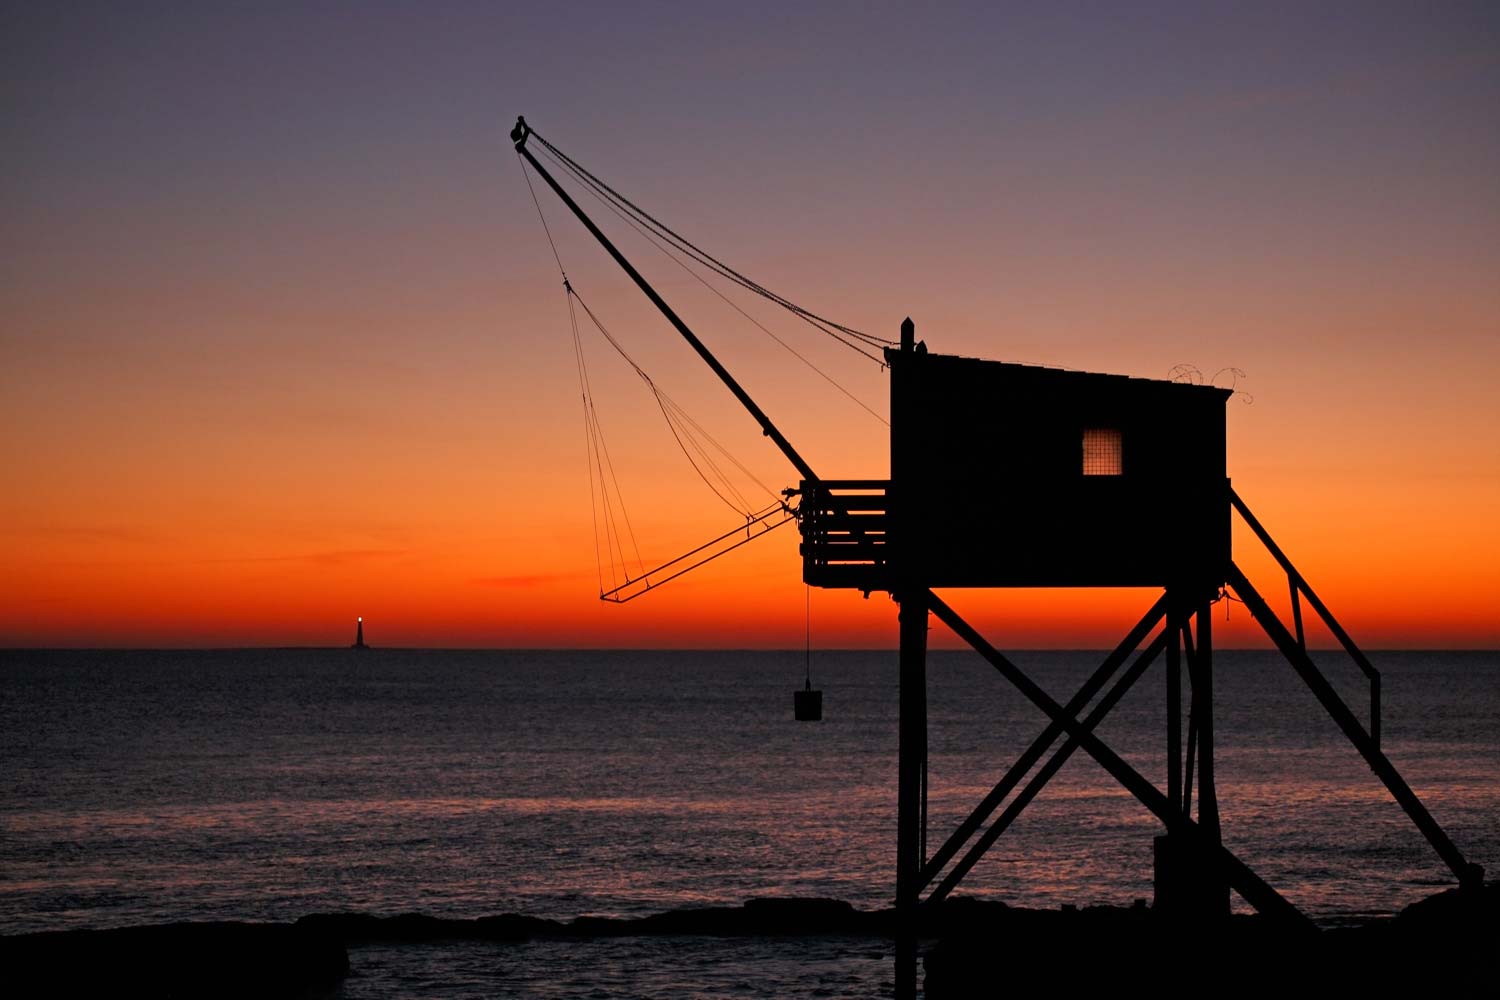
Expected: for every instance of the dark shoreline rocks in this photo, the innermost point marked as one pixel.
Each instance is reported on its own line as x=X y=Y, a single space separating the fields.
x=225 y=959
x=1445 y=943
x=766 y=917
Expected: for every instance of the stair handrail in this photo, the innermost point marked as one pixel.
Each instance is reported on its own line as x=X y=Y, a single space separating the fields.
x=1298 y=584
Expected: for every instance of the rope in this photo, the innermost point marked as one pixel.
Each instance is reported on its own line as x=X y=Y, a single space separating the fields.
x=651 y=233
x=676 y=259
x=687 y=432
x=809 y=637
x=588 y=438
x=822 y=323
x=1226 y=597
x=819 y=323
x=598 y=459
x=629 y=530
x=545 y=228
x=682 y=425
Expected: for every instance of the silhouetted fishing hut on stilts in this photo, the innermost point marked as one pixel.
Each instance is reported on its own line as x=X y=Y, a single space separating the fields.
x=1007 y=475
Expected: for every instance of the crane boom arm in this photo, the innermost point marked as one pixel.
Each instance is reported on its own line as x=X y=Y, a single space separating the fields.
x=519 y=135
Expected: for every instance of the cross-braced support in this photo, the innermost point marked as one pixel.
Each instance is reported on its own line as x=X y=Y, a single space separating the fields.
x=1034 y=752
x=1194 y=870
x=1203 y=843
x=1047 y=771
x=948 y=517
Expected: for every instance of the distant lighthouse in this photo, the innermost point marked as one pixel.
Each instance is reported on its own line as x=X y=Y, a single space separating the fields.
x=359 y=634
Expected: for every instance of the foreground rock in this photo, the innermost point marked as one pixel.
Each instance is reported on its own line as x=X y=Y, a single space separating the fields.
x=756 y=918
x=1443 y=946
x=176 y=960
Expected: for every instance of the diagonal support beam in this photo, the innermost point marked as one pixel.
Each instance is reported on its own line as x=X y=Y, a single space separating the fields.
x=1192 y=730
x=1298 y=583
x=1174 y=711
x=1468 y=874
x=1049 y=769
x=1041 y=744
x=519 y=135
x=1236 y=873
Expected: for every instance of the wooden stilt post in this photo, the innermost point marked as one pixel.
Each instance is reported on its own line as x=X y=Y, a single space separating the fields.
x=964 y=432
x=1213 y=891
x=1174 y=703
x=911 y=592
x=1244 y=881
x=911 y=765
x=1167 y=850
x=1203 y=695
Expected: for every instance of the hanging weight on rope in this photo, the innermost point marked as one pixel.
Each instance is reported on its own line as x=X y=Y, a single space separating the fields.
x=807 y=704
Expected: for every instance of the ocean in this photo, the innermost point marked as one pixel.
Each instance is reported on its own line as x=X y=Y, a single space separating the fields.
x=266 y=784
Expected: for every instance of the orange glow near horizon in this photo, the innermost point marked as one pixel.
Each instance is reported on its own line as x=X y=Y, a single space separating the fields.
x=291 y=346
x=100 y=591
x=158 y=511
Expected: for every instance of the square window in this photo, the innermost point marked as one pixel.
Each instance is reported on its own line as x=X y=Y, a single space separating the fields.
x=1102 y=453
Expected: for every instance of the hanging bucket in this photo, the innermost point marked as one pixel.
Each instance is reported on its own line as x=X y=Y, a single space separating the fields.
x=807 y=704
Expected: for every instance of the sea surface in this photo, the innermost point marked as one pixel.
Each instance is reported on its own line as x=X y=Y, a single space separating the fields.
x=148 y=786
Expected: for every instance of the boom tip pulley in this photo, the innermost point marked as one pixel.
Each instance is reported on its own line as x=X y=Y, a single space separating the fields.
x=519 y=134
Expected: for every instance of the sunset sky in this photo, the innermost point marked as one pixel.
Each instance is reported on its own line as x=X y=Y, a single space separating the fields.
x=283 y=341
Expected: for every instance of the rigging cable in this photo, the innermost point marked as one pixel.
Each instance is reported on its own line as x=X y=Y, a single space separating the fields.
x=677 y=259
x=639 y=223
x=600 y=458
x=826 y=325
x=691 y=437
x=843 y=334
x=809 y=636
x=597 y=449
x=588 y=443
x=679 y=423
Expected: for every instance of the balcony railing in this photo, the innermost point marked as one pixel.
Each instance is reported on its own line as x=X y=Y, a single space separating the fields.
x=844 y=533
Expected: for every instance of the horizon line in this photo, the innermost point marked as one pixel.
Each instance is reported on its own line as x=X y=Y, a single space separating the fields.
x=1333 y=648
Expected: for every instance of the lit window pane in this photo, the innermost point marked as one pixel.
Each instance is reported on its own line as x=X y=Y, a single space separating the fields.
x=1101 y=452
